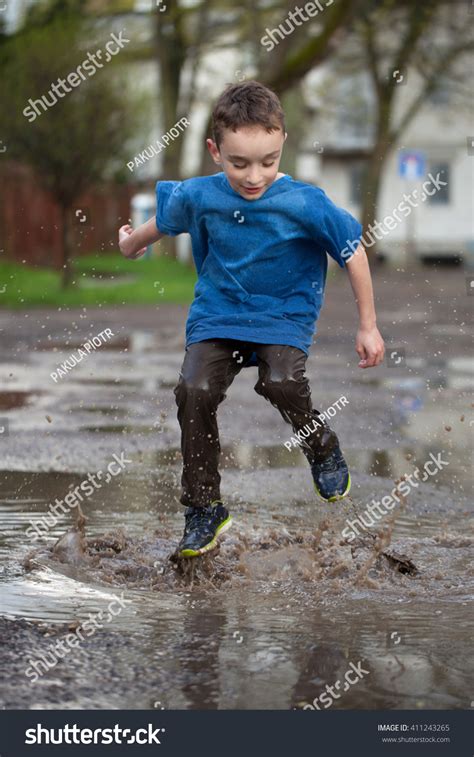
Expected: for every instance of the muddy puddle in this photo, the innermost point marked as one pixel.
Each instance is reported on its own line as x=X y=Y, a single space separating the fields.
x=279 y=610
x=286 y=604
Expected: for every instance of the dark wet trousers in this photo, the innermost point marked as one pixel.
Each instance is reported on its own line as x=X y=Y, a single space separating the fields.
x=208 y=369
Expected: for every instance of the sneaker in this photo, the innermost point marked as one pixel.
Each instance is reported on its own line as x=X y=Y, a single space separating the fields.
x=332 y=479
x=203 y=526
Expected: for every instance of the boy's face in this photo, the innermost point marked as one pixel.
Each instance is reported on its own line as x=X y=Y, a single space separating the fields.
x=250 y=158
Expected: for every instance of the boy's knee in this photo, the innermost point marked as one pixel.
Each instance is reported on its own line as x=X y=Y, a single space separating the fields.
x=281 y=390
x=198 y=388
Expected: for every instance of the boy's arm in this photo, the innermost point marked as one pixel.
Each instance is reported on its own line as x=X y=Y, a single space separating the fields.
x=133 y=242
x=369 y=343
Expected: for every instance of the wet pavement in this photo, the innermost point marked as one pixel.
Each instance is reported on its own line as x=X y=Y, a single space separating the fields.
x=287 y=603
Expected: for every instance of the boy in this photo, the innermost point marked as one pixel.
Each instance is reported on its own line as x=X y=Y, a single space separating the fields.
x=260 y=242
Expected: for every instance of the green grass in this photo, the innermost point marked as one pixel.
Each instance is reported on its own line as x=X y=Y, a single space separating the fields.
x=27 y=286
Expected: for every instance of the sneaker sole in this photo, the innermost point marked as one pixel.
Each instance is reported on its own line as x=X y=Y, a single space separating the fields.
x=224 y=526
x=336 y=496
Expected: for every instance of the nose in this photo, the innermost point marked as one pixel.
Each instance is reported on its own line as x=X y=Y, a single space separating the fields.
x=253 y=176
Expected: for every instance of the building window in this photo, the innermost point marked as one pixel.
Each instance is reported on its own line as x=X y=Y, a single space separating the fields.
x=356 y=180
x=441 y=196
x=441 y=95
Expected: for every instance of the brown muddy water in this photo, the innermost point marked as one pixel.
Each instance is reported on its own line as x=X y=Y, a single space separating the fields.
x=286 y=604
x=282 y=608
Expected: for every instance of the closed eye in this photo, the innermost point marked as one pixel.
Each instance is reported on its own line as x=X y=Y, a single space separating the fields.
x=265 y=165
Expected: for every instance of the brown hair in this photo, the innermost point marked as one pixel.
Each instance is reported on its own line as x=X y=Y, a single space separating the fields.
x=248 y=103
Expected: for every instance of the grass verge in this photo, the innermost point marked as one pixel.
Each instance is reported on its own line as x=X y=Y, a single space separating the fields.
x=99 y=280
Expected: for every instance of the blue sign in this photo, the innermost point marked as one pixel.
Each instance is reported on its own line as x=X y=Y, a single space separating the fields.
x=412 y=164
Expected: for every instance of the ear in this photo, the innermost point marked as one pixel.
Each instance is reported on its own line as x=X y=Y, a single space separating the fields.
x=286 y=134
x=214 y=151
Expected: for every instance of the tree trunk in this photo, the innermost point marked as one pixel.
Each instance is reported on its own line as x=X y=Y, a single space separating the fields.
x=67 y=273
x=370 y=193
x=171 y=55
x=373 y=176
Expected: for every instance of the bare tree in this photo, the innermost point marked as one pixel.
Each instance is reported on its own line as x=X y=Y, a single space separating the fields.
x=309 y=45
x=429 y=39
x=293 y=56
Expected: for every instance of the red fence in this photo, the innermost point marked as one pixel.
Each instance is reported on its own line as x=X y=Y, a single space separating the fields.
x=30 y=220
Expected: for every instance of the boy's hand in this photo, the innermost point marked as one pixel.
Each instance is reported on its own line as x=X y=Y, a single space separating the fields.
x=370 y=347
x=125 y=233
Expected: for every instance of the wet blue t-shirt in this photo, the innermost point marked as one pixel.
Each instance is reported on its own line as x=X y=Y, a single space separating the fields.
x=261 y=263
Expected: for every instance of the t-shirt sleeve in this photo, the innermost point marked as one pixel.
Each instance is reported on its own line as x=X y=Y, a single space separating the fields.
x=172 y=209
x=339 y=232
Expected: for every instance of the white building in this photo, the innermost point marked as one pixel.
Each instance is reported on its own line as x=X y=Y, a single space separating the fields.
x=441 y=225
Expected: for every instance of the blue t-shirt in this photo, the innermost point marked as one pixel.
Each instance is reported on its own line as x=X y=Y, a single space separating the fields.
x=261 y=263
